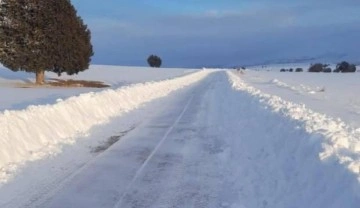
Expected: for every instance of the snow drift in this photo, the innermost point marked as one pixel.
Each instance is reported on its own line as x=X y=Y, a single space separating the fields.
x=40 y=131
x=295 y=157
x=340 y=142
x=17 y=98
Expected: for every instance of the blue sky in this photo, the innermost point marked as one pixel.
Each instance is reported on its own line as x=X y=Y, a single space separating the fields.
x=194 y=33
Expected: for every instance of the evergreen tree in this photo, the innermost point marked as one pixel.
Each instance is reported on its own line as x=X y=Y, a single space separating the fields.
x=43 y=35
x=318 y=67
x=345 y=67
x=154 y=61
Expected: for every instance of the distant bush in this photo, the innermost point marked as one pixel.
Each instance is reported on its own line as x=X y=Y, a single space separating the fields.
x=299 y=70
x=318 y=67
x=345 y=67
x=282 y=70
x=327 y=70
x=352 y=68
x=154 y=61
x=291 y=70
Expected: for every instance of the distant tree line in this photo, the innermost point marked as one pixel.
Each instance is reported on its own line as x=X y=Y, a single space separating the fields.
x=291 y=70
x=343 y=67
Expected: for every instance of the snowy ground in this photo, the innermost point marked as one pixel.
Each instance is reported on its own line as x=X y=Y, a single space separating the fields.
x=332 y=94
x=19 y=98
x=38 y=131
x=208 y=139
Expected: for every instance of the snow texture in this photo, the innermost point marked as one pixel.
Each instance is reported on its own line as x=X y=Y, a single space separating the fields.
x=208 y=139
x=340 y=143
x=39 y=131
x=218 y=146
x=18 y=98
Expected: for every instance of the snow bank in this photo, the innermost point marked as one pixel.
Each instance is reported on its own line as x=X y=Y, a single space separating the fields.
x=40 y=131
x=327 y=93
x=15 y=98
x=301 y=89
x=340 y=143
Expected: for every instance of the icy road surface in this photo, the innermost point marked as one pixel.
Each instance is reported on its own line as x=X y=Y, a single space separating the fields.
x=209 y=146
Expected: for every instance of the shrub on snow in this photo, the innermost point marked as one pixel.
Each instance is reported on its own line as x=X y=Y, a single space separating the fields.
x=327 y=70
x=154 y=61
x=318 y=67
x=345 y=67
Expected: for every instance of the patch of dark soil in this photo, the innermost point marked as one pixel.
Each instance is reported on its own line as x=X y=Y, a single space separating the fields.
x=111 y=141
x=76 y=83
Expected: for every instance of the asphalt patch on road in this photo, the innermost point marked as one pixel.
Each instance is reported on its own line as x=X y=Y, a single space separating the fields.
x=111 y=141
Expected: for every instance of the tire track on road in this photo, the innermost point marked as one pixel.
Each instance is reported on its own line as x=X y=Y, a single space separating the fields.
x=141 y=169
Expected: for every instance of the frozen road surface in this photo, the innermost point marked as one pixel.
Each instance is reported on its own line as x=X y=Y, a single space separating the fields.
x=209 y=146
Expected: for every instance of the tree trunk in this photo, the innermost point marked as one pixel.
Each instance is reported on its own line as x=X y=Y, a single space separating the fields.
x=40 y=77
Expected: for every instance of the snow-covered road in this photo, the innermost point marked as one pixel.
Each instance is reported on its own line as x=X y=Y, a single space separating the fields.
x=209 y=146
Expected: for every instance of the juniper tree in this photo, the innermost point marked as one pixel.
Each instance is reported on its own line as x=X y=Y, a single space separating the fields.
x=43 y=35
x=345 y=67
x=154 y=61
x=318 y=67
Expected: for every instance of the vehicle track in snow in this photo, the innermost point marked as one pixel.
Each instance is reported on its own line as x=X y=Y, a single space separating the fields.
x=35 y=190
x=141 y=169
x=151 y=134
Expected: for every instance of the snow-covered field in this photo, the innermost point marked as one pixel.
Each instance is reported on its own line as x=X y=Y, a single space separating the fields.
x=333 y=94
x=207 y=138
x=19 y=98
x=39 y=130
